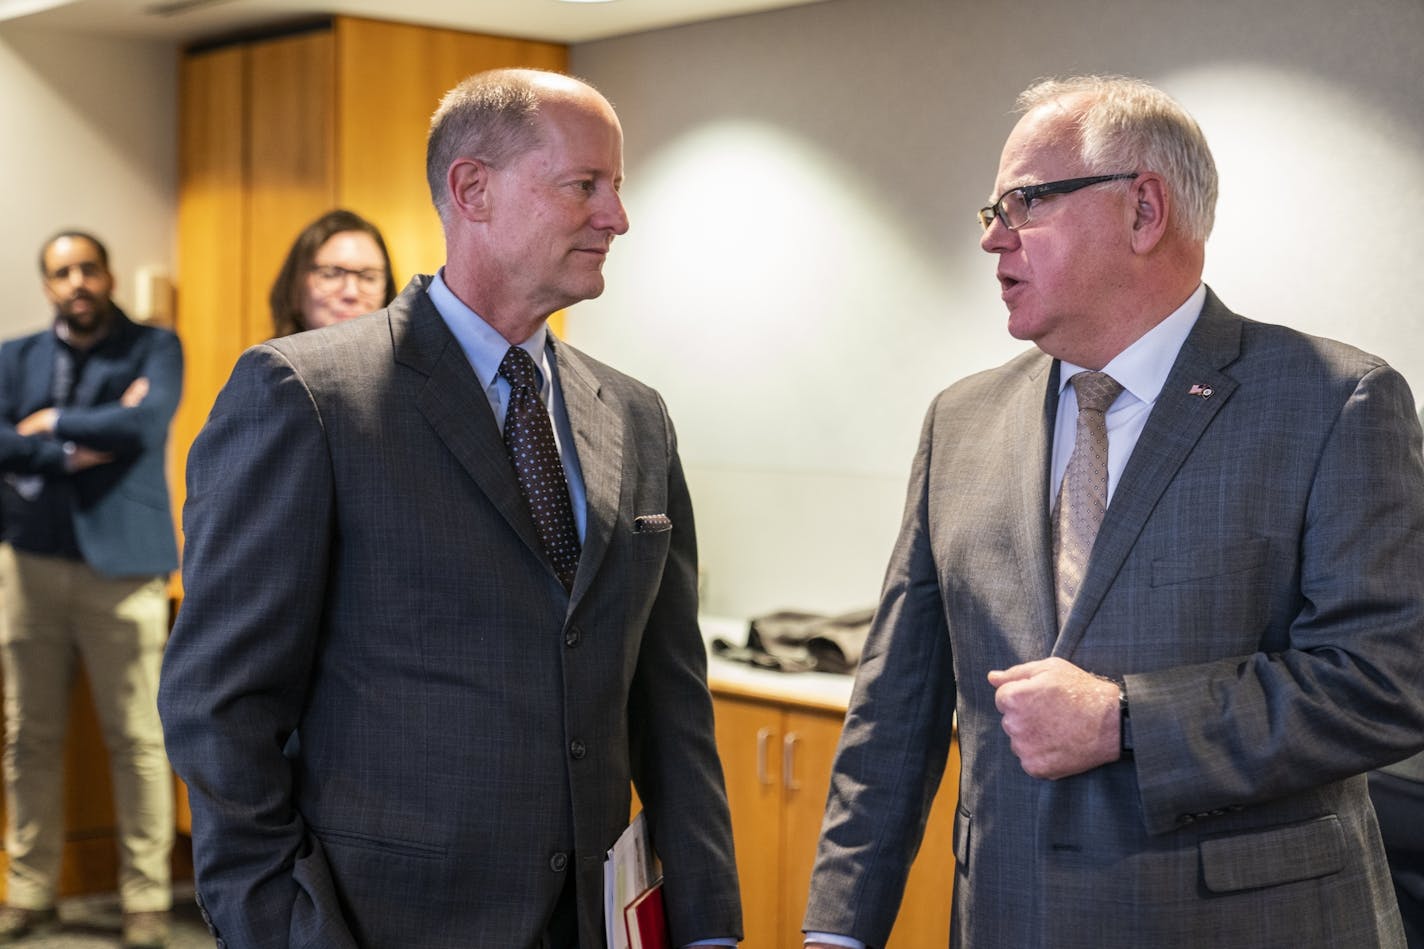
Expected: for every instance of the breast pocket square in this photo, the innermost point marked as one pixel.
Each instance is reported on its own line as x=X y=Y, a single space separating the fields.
x=651 y=523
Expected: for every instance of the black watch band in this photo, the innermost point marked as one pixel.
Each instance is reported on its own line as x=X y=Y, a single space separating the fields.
x=1124 y=744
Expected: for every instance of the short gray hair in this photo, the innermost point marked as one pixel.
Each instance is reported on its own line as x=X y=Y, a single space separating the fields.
x=491 y=116
x=1126 y=124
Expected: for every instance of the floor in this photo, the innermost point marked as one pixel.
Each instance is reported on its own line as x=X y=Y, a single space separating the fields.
x=92 y=922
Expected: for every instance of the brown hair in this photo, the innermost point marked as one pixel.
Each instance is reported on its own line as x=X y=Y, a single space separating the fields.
x=288 y=290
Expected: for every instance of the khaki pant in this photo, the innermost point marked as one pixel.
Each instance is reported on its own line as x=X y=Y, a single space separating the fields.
x=54 y=611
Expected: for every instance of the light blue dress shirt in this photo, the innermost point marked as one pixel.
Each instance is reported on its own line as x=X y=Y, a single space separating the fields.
x=484 y=347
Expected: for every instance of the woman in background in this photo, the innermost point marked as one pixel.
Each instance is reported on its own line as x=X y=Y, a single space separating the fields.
x=338 y=268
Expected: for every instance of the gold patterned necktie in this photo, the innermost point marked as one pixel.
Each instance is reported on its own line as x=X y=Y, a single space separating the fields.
x=1083 y=496
x=529 y=437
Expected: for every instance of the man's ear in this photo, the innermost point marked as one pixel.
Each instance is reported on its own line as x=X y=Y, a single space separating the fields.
x=468 y=182
x=1151 y=210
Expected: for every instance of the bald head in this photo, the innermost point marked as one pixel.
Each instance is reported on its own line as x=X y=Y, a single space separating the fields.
x=494 y=117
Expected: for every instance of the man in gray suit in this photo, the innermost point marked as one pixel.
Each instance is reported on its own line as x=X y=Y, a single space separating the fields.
x=407 y=717
x=1173 y=753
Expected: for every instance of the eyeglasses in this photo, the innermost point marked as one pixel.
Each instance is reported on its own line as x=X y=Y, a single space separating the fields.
x=1013 y=207
x=331 y=277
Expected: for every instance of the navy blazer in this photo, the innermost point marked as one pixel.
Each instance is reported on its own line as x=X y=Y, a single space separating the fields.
x=123 y=520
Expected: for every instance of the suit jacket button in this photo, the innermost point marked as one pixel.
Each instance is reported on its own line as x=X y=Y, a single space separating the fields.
x=559 y=862
x=577 y=749
x=572 y=637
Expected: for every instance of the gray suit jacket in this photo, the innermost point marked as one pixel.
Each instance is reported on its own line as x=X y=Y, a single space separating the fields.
x=1255 y=582
x=398 y=730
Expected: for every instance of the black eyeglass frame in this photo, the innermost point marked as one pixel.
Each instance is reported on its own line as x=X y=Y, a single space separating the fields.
x=1031 y=193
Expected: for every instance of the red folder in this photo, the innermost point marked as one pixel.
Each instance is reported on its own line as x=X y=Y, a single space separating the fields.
x=647 y=920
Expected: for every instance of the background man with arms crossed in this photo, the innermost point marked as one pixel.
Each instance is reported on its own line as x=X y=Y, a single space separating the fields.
x=89 y=544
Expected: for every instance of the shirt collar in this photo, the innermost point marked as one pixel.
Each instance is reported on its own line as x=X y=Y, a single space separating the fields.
x=483 y=346
x=1142 y=368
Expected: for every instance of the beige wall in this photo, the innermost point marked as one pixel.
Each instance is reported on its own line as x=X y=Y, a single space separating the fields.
x=802 y=272
x=88 y=142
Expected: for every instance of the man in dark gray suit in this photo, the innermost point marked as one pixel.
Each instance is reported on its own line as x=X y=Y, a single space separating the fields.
x=1164 y=738
x=407 y=713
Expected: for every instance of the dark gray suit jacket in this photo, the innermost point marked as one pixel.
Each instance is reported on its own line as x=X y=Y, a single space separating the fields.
x=1256 y=583
x=361 y=573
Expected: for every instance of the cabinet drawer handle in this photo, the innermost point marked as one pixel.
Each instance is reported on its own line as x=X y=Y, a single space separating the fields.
x=763 y=738
x=788 y=761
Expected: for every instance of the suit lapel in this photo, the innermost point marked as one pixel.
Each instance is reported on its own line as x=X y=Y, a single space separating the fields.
x=598 y=439
x=452 y=401
x=1029 y=450
x=1181 y=415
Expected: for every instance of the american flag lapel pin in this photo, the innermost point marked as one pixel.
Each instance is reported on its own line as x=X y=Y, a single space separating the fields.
x=1201 y=390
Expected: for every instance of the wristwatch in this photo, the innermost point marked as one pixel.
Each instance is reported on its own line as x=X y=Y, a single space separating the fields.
x=1124 y=744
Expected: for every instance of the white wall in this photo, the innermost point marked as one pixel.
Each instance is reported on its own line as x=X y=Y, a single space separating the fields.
x=802 y=272
x=88 y=143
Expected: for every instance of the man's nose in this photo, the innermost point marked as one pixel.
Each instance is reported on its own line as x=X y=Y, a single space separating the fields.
x=615 y=216
x=997 y=237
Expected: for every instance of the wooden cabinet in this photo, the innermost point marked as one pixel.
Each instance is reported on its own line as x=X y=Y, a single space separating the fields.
x=777 y=754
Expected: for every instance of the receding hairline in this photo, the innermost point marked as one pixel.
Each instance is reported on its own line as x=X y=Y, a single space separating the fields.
x=99 y=247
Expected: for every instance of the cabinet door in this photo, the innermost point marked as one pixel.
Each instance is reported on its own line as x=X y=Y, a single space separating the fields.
x=211 y=206
x=809 y=750
x=290 y=159
x=749 y=742
x=924 y=912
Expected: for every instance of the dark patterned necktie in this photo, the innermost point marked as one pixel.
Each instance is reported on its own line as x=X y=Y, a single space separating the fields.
x=1083 y=496
x=529 y=437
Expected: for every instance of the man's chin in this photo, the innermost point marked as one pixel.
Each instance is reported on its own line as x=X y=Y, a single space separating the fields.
x=587 y=289
x=1020 y=329
x=83 y=320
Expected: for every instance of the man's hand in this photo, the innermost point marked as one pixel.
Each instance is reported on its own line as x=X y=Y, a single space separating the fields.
x=134 y=394
x=1060 y=720
x=38 y=423
x=79 y=458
